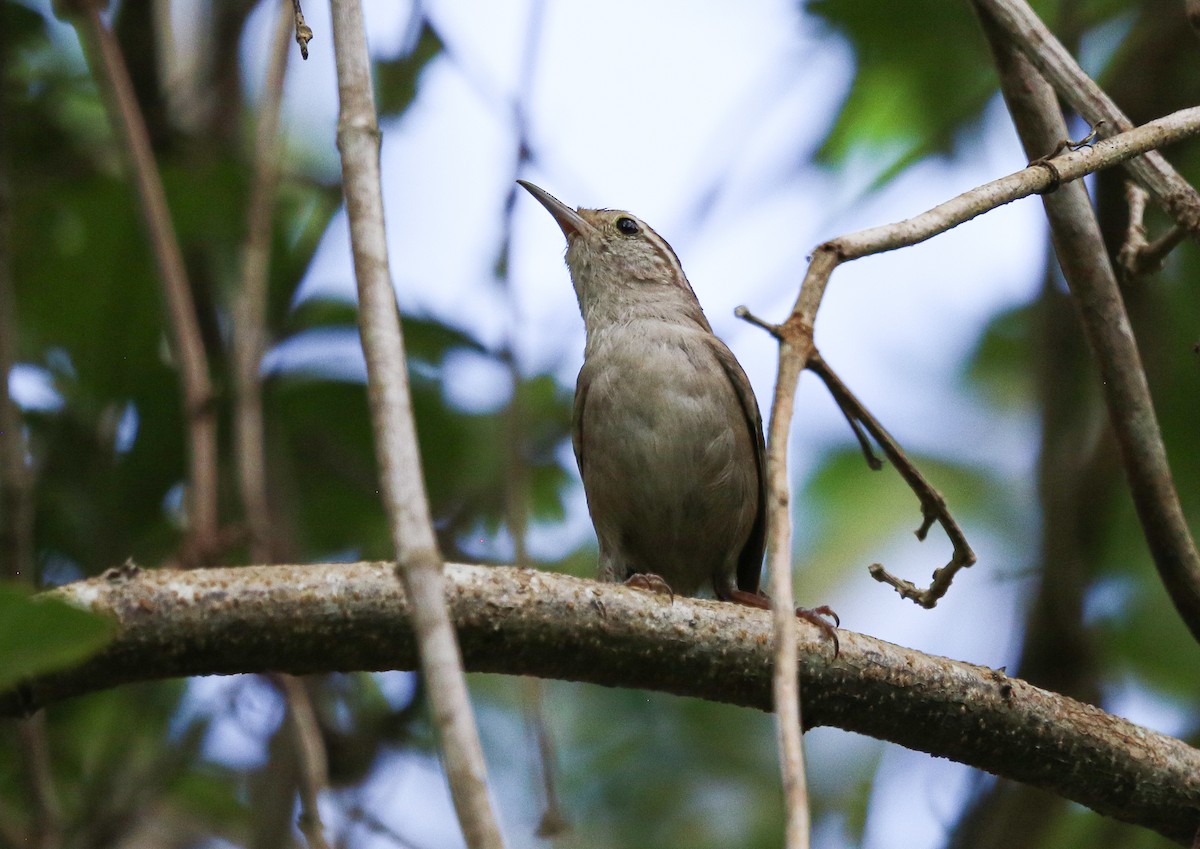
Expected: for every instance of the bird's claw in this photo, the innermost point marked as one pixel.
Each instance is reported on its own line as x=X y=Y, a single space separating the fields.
x=650 y=581
x=817 y=616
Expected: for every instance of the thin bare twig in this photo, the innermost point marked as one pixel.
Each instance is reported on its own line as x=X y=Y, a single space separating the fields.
x=1035 y=179
x=310 y=747
x=796 y=334
x=17 y=518
x=304 y=33
x=359 y=814
x=402 y=485
x=553 y=822
x=933 y=505
x=1135 y=234
x=249 y=343
x=47 y=814
x=1151 y=259
x=743 y=312
x=16 y=477
x=1022 y=27
x=250 y=307
x=794 y=351
x=112 y=76
x=1084 y=259
x=1138 y=256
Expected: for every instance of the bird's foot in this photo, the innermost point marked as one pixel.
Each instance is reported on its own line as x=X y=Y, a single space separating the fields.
x=816 y=616
x=650 y=581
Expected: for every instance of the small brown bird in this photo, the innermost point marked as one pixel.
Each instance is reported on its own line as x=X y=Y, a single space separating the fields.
x=667 y=431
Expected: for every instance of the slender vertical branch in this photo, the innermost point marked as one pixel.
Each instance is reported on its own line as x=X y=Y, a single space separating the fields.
x=17 y=511
x=794 y=350
x=310 y=748
x=16 y=478
x=552 y=822
x=249 y=313
x=249 y=344
x=112 y=76
x=402 y=483
x=1093 y=283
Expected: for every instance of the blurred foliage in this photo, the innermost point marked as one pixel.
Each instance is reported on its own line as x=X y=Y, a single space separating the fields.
x=108 y=454
x=635 y=769
x=43 y=634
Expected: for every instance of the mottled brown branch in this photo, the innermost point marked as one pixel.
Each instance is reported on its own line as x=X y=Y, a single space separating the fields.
x=1083 y=257
x=112 y=77
x=355 y=616
x=1022 y=27
x=402 y=482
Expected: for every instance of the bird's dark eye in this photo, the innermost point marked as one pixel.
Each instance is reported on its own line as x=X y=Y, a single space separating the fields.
x=627 y=226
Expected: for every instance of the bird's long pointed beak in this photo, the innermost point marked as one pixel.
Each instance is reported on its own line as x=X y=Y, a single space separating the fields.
x=571 y=222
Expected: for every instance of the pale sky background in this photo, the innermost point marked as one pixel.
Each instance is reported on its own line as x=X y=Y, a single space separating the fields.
x=701 y=118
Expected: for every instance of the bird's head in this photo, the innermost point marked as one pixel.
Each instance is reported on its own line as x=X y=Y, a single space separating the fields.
x=621 y=268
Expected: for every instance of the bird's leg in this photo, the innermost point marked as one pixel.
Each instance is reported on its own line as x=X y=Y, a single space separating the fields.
x=650 y=581
x=816 y=616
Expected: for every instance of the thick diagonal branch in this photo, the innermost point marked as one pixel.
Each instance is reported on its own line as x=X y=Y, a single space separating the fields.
x=352 y=616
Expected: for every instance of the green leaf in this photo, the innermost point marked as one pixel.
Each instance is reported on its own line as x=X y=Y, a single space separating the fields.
x=40 y=635
x=923 y=71
x=396 y=80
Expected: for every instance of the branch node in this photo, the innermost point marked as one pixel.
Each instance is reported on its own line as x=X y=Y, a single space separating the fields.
x=304 y=33
x=1052 y=170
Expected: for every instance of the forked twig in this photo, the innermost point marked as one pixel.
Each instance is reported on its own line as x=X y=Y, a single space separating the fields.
x=1137 y=255
x=933 y=505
